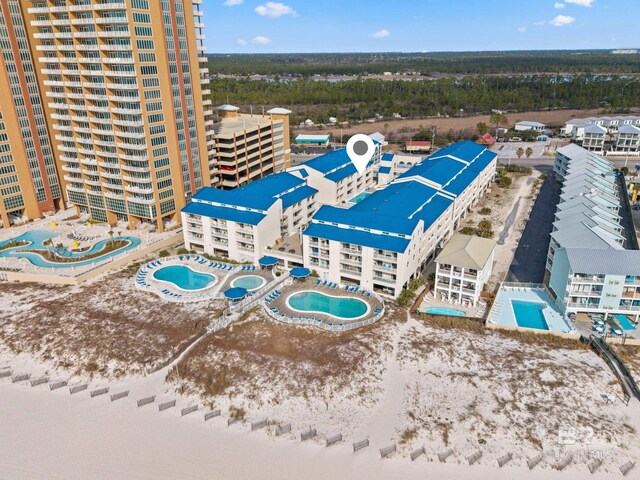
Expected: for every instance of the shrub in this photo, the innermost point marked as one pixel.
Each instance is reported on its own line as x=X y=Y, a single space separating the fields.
x=182 y=251
x=164 y=253
x=485 y=211
x=504 y=182
x=485 y=229
x=314 y=274
x=468 y=231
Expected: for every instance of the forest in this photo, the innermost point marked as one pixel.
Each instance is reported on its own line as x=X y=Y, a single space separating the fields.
x=463 y=63
x=364 y=98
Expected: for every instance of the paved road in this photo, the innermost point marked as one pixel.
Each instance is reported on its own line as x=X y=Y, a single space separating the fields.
x=530 y=259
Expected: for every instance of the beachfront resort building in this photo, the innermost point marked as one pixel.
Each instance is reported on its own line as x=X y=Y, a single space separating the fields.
x=249 y=146
x=386 y=239
x=241 y=223
x=463 y=267
x=123 y=89
x=29 y=181
x=593 y=263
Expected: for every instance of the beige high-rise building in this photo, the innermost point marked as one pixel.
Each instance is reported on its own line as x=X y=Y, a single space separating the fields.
x=123 y=94
x=249 y=147
x=29 y=184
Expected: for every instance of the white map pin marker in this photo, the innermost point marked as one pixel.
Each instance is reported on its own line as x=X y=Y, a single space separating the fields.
x=360 y=149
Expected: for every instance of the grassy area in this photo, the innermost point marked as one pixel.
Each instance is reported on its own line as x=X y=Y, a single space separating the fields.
x=106 y=328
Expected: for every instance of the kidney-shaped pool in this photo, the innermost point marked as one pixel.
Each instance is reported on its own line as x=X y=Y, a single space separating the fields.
x=344 y=308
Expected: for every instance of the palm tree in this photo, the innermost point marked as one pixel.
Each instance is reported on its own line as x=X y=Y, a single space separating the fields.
x=520 y=152
x=528 y=152
x=111 y=236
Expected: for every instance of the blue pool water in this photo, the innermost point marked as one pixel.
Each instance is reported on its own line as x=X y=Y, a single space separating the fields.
x=36 y=239
x=249 y=282
x=347 y=308
x=452 y=312
x=529 y=314
x=184 y=278
x=625 y=323
x=360 y=197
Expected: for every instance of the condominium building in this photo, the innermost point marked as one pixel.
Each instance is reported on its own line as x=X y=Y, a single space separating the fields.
x=123 y=88
x=463 y=267
x=387 y=238
x=591 y=265
x=29 y=183
x=336 y=178
x=241 y=223
x=594 y=138
x=628 y=140
x=249 y=146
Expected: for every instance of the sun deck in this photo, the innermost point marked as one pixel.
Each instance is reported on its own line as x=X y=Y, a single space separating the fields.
x=277 y=306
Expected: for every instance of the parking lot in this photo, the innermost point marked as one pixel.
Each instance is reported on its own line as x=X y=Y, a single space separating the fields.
x=508 y=150
x=529 y=262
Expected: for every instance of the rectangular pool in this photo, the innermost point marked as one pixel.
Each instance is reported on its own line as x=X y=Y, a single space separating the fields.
x=529 y=314
x=360 y=197
x=624 y=322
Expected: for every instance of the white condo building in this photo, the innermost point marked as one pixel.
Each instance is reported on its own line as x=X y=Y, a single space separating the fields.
x=386 y=239
x=463 y=267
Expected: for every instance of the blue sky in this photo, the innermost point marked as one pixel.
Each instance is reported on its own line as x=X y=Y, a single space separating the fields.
x=259 y=26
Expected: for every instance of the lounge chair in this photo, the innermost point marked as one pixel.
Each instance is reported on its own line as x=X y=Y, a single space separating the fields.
x=318 y=282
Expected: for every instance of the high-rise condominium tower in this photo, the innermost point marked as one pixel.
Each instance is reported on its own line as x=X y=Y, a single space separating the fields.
x=122 y=88
x=29 y=184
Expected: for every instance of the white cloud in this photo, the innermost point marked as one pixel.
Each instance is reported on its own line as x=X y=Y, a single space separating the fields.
x=232 y=3
x=241 y=41
x=539 y=23
x=562 y=20
x=384 y=33
x=274 y=10
x=260 y=40
x=559 y=5
x=522 y=29
x=582 y=3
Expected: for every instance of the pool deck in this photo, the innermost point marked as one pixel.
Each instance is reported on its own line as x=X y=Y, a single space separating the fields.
x=67 y=228
x=267 y=274
x=431 y=301
x=310 y=284
x=144 y=279
x=502 y=313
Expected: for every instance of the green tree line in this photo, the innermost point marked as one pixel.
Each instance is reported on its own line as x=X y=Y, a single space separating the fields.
x=363 y=98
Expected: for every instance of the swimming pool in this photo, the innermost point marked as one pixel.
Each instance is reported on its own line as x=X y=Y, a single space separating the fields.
x=360 y=197
x=452 y=312
x=347 y=308
x=529 y=314
x=36 y=239
x=250 y=283
x=184 y=277
x=624 y=322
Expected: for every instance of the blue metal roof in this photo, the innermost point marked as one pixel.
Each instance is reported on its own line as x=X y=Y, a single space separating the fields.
x=329 y=161
x=366 y=218
x=387 y=157
x=342 y=173
x=260 y=194
x=358 y=237
x=224 y=213
x=297 y=195
x=385 y=169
